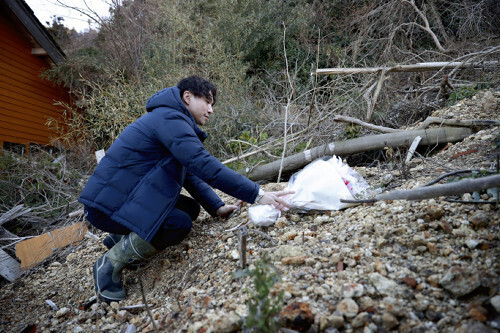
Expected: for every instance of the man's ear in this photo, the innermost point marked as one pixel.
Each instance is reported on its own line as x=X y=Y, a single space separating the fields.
x=186 y=97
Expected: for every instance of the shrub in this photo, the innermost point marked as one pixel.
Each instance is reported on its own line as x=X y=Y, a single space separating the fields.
x=264 y=306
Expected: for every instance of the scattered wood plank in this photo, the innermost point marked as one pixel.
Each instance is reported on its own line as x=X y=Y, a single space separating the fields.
x=426 y=66
x=35 y=250
x=348 y=147
x=9 y=267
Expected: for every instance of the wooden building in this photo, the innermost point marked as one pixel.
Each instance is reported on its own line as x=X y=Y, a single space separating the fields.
x=26 y=100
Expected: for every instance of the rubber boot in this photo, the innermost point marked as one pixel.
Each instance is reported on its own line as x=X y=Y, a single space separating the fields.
x=108 y=268
x=110 y=240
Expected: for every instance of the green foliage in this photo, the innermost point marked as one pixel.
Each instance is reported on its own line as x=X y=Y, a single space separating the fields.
x=264 y=306
x=247 y=136
x=461 y=93
x=352 y=131
x=300 y=147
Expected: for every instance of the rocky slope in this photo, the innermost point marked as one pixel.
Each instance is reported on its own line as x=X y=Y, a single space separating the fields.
x=420 y=266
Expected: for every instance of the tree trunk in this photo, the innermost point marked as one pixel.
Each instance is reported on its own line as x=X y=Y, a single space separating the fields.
x=348 y=147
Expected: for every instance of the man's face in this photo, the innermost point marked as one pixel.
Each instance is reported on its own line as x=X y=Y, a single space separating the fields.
x=200 y=107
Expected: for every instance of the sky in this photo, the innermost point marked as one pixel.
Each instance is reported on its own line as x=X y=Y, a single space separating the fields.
x=44 y=9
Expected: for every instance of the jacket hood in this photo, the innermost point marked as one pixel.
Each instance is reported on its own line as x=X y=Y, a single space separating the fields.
x=171 y=98
x=168 y=97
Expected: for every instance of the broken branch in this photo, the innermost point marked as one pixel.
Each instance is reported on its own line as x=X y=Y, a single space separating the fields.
x=377 y=128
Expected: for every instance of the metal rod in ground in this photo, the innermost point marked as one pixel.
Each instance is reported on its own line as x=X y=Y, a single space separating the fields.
x=242 y=235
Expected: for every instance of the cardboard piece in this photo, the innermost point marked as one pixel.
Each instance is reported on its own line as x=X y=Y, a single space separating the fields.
x=34 y=250
x=9 y=267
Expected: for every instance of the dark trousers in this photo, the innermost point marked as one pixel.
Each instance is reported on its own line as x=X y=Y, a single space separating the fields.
x=173 y=230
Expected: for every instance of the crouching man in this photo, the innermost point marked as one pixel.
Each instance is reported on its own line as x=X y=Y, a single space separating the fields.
x=134 y=193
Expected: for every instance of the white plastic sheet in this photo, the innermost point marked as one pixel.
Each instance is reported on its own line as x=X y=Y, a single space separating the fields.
x=319 y=186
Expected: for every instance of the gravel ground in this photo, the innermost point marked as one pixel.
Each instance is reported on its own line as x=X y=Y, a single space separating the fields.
x=403 y=266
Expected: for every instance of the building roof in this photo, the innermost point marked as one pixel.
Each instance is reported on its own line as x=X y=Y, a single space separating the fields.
x=24 y=13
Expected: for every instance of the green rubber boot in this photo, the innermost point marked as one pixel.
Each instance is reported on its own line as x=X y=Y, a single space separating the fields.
x=108 y=268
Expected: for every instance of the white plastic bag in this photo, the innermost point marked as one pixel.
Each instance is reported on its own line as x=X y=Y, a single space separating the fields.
x=263 y=215
x=318 y=186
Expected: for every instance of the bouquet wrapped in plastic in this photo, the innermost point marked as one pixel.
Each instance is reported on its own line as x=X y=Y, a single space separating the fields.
x=319 y=186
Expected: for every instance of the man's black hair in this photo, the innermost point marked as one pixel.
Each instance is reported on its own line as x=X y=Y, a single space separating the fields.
x=198 y=87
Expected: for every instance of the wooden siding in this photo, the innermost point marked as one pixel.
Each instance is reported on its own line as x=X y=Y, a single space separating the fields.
x=26 y=100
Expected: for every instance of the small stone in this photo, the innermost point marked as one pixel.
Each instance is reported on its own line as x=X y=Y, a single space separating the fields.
x=321 y=219
x=471 y=243
x=384 y=285
x=434 y=279
x=297 y=316
x=380 y=267
x=281 y=223
x=421 y=249
x=394 y=306
x=409 y=281
x=431 y=247
x=478 y=220
x=495 y=302
x=297 y=260
x=478 y=312
x=435 y=212
x=310 y=261
x=360 y=320
x=234 y=254
x=474 y=327
x=195 y=327
x=352 y=290
x=226 y=323
x=348 y=307
x=62 y=312
x=287 y=251
x=389 y=321
x=122 y=315
x=166 y=263
x=365 y=302
x=460 y=282
x=114 y=305
x=331 y=330
x=335 y=258
x=489 y=102
x=289 y=236
x=336 y=320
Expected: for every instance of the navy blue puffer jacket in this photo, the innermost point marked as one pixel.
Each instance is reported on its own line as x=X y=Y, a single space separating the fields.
x=139 y=180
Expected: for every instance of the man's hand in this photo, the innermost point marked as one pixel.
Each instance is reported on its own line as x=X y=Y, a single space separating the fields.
x=274 y=198
x=226 y=210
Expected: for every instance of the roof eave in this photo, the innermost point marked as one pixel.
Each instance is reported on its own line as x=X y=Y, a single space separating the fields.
x=36 y=29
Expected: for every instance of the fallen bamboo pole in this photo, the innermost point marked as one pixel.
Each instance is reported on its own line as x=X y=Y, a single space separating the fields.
x=348 y=147
x=429 y=192
x=426 y=66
